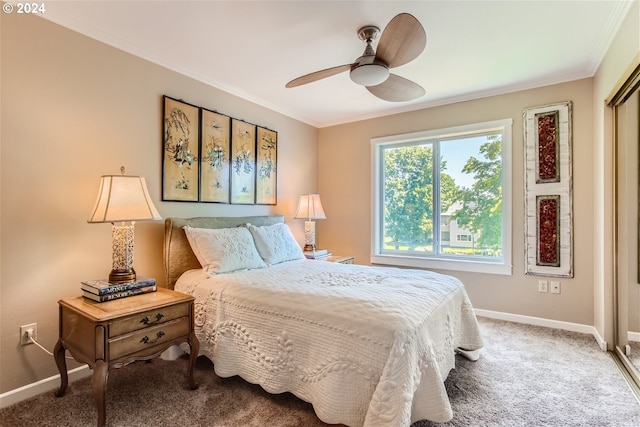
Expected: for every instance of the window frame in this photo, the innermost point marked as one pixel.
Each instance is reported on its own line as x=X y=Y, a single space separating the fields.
x=436 y=261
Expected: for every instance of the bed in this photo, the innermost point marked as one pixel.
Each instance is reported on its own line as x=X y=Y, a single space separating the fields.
x=366 y=346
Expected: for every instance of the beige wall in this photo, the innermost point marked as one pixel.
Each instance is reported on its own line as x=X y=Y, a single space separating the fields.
x=74 y=109
x=344 y=177
x=623 y=52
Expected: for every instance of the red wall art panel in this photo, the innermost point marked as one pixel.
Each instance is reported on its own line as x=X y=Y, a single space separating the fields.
x=547 y=165
x=548 y=209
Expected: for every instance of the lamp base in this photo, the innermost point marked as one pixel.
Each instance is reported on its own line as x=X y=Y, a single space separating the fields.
x=122 y=266
x=122 y=275
x=309 y=236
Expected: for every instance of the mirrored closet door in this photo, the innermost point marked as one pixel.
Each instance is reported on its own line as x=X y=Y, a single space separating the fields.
x=626 y=105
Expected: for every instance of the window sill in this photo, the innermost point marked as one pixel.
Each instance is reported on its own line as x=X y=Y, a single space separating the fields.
x=443 y=264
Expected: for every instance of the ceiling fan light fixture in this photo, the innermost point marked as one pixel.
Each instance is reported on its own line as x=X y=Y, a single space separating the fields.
x=369 y=74
x=402 y=41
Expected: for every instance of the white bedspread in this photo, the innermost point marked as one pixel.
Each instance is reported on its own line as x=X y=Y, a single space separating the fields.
x=367 y=346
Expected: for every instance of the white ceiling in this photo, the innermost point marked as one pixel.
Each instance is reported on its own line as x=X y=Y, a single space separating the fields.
x=253 y=48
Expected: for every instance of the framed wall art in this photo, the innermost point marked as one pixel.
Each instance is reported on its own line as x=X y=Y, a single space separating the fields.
x=215 y=157
x=180 y=151
x=266 y=162
x=211 y=157
x=548 y=190
x=243 y=162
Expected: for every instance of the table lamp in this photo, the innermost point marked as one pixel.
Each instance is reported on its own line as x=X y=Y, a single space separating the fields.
x=310 y=208
x=122 y=200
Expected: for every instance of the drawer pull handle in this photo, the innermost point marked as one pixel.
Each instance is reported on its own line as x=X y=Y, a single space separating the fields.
x=145 y=320
x=145 y=339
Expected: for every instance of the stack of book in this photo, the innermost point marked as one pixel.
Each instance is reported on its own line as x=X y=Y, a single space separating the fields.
x=317 y=254
x=102 y=290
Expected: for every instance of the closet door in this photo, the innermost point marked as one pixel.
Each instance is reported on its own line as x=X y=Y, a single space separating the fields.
x=627 y=286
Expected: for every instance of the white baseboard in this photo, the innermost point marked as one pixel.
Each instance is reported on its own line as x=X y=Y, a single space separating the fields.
x=52 y=383
x=43 y=386
x=539 y=321
x=633 y=336
x=172 y=353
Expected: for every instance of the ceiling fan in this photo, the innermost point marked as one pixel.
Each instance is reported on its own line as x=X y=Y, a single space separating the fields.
x=401 y=42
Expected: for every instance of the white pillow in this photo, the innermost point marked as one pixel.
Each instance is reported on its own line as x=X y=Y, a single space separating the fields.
x=224 y=250
x=275 y=243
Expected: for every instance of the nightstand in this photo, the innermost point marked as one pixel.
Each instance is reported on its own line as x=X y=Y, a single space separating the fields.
x=115 y=333
x=340 y=259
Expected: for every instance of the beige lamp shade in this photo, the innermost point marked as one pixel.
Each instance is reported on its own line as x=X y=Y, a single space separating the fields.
x=310 y=207
x=123 y=198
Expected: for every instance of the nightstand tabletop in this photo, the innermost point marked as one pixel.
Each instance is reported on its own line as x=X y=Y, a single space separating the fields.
x=101 y=311
x=340 y=259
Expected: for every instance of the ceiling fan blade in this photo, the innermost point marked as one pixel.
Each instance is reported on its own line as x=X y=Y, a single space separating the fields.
x=312 y=77
x=397 y=89
x=402 y=41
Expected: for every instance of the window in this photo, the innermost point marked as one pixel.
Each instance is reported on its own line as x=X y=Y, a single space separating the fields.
x=432 y=186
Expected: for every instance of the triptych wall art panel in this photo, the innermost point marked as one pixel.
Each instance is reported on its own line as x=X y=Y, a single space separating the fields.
x=180 y=157
x=214 y=157
x=243 y=161
x=211 y=157
x=548 y=190
x=266 y=166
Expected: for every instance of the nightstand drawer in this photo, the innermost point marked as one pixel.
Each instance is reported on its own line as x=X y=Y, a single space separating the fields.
x=147 y=318
x=148 y=337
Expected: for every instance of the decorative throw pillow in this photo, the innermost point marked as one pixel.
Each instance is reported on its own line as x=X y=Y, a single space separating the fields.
x=275 y=243
x=224 y=250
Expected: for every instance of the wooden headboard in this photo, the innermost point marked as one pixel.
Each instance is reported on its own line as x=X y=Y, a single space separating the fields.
x=177 y=254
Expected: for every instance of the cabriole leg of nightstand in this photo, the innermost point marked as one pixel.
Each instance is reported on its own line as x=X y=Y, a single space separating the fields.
x=58 y=355
x=194 y=346
x=99 y=387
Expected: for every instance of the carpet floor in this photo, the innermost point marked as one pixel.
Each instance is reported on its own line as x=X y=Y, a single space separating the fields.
x=526 y=376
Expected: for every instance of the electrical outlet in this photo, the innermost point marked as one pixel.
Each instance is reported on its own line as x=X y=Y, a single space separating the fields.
x=555 y=287
x=543 y=286
x=24 y=333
